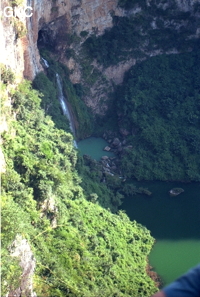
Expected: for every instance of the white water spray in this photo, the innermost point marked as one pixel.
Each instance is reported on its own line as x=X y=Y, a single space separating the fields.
x=46 y=64
x=65 y=107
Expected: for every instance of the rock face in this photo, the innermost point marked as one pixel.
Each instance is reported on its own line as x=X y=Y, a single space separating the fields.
x=50 y=210
x=97 y=96
x=62 y=18
x=21 y=249
x=12 y=49
x=22 y=55
x=176 y=191
x=185 y=5
x=2 y=162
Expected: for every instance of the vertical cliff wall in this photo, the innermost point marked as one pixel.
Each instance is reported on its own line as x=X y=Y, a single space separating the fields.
x=60 y=19
x=21 y=53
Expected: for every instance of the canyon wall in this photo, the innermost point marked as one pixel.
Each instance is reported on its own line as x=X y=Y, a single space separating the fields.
x=22 y=55
x=61 y=19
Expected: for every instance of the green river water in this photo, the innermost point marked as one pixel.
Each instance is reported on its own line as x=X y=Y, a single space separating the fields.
x=173 y=221
x=93 y=147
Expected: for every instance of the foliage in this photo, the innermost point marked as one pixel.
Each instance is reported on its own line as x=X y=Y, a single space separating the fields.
x=159 y=104
x=106 y=194
x=87 y=251
x=80 y=110
x=97 y=255
x=20 y=28
x=50 y=102
x=128 y=4
x=6 y=74
x=47 y=85
x=135 y=35
x=84 y=33
x=16 y=2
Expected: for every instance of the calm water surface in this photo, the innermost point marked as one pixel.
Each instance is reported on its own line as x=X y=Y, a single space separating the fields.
x=172 y=258
x=173 y=221
x=93 y=147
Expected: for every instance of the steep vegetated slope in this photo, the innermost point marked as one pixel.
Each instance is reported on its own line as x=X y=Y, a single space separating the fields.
x=79 y=248
x=159 y=106
x=145 y=29
x=97 y=62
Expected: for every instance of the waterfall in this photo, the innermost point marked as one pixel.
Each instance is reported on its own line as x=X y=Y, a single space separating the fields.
x=65 y=107
x=46 y=64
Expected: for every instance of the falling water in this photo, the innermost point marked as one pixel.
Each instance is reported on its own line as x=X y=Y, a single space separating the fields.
x=65 y=108
x=46 y=64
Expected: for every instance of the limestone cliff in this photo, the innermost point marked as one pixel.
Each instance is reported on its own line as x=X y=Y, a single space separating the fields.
x=21 y=54
x=176 y=16
x=57 y=21
x=21 y=249
x=67 y=24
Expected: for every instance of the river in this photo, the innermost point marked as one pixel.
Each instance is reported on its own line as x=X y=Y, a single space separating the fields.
x=173 y=221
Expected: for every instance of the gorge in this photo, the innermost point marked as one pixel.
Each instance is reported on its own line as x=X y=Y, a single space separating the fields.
x=123 y=72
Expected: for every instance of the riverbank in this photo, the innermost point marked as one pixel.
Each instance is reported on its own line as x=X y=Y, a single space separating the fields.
x=173 y=220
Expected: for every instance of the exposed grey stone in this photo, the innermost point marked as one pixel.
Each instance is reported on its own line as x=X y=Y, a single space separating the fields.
x=116 y=142
x=107 y=148
x=21 y=249
x=104 y=157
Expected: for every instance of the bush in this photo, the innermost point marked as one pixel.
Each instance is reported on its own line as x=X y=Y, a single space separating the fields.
x=80 y=248
x=163 y=114
x=6 y=74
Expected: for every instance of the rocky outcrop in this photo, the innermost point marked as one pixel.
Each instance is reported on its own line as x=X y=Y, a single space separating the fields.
x=54 y=23
x=22 y=53
x=2 y=162
x=60 y=19
x=21 y=249
x=93 y=15
x=50 y=210
x=12 y=48
x=186 y=5
x=176 y=191
x=179 y=15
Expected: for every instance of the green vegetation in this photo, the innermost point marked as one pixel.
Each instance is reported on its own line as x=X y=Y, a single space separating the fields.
x=108 y=194
x=50 y=102
x=81 y=111
x=140 y=33
x=6 y=75
x=84 y=33
x=16 y=2
x=159 y=104
x=20 y=28
x=128 y=4
x=48 y=87
x=81 y=249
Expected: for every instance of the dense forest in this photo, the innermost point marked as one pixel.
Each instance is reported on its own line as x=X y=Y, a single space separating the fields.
x=159 y=104
x=81 y=249
x=57 y=200
x=158 y=101
x=136 y=35
x=46 y=84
